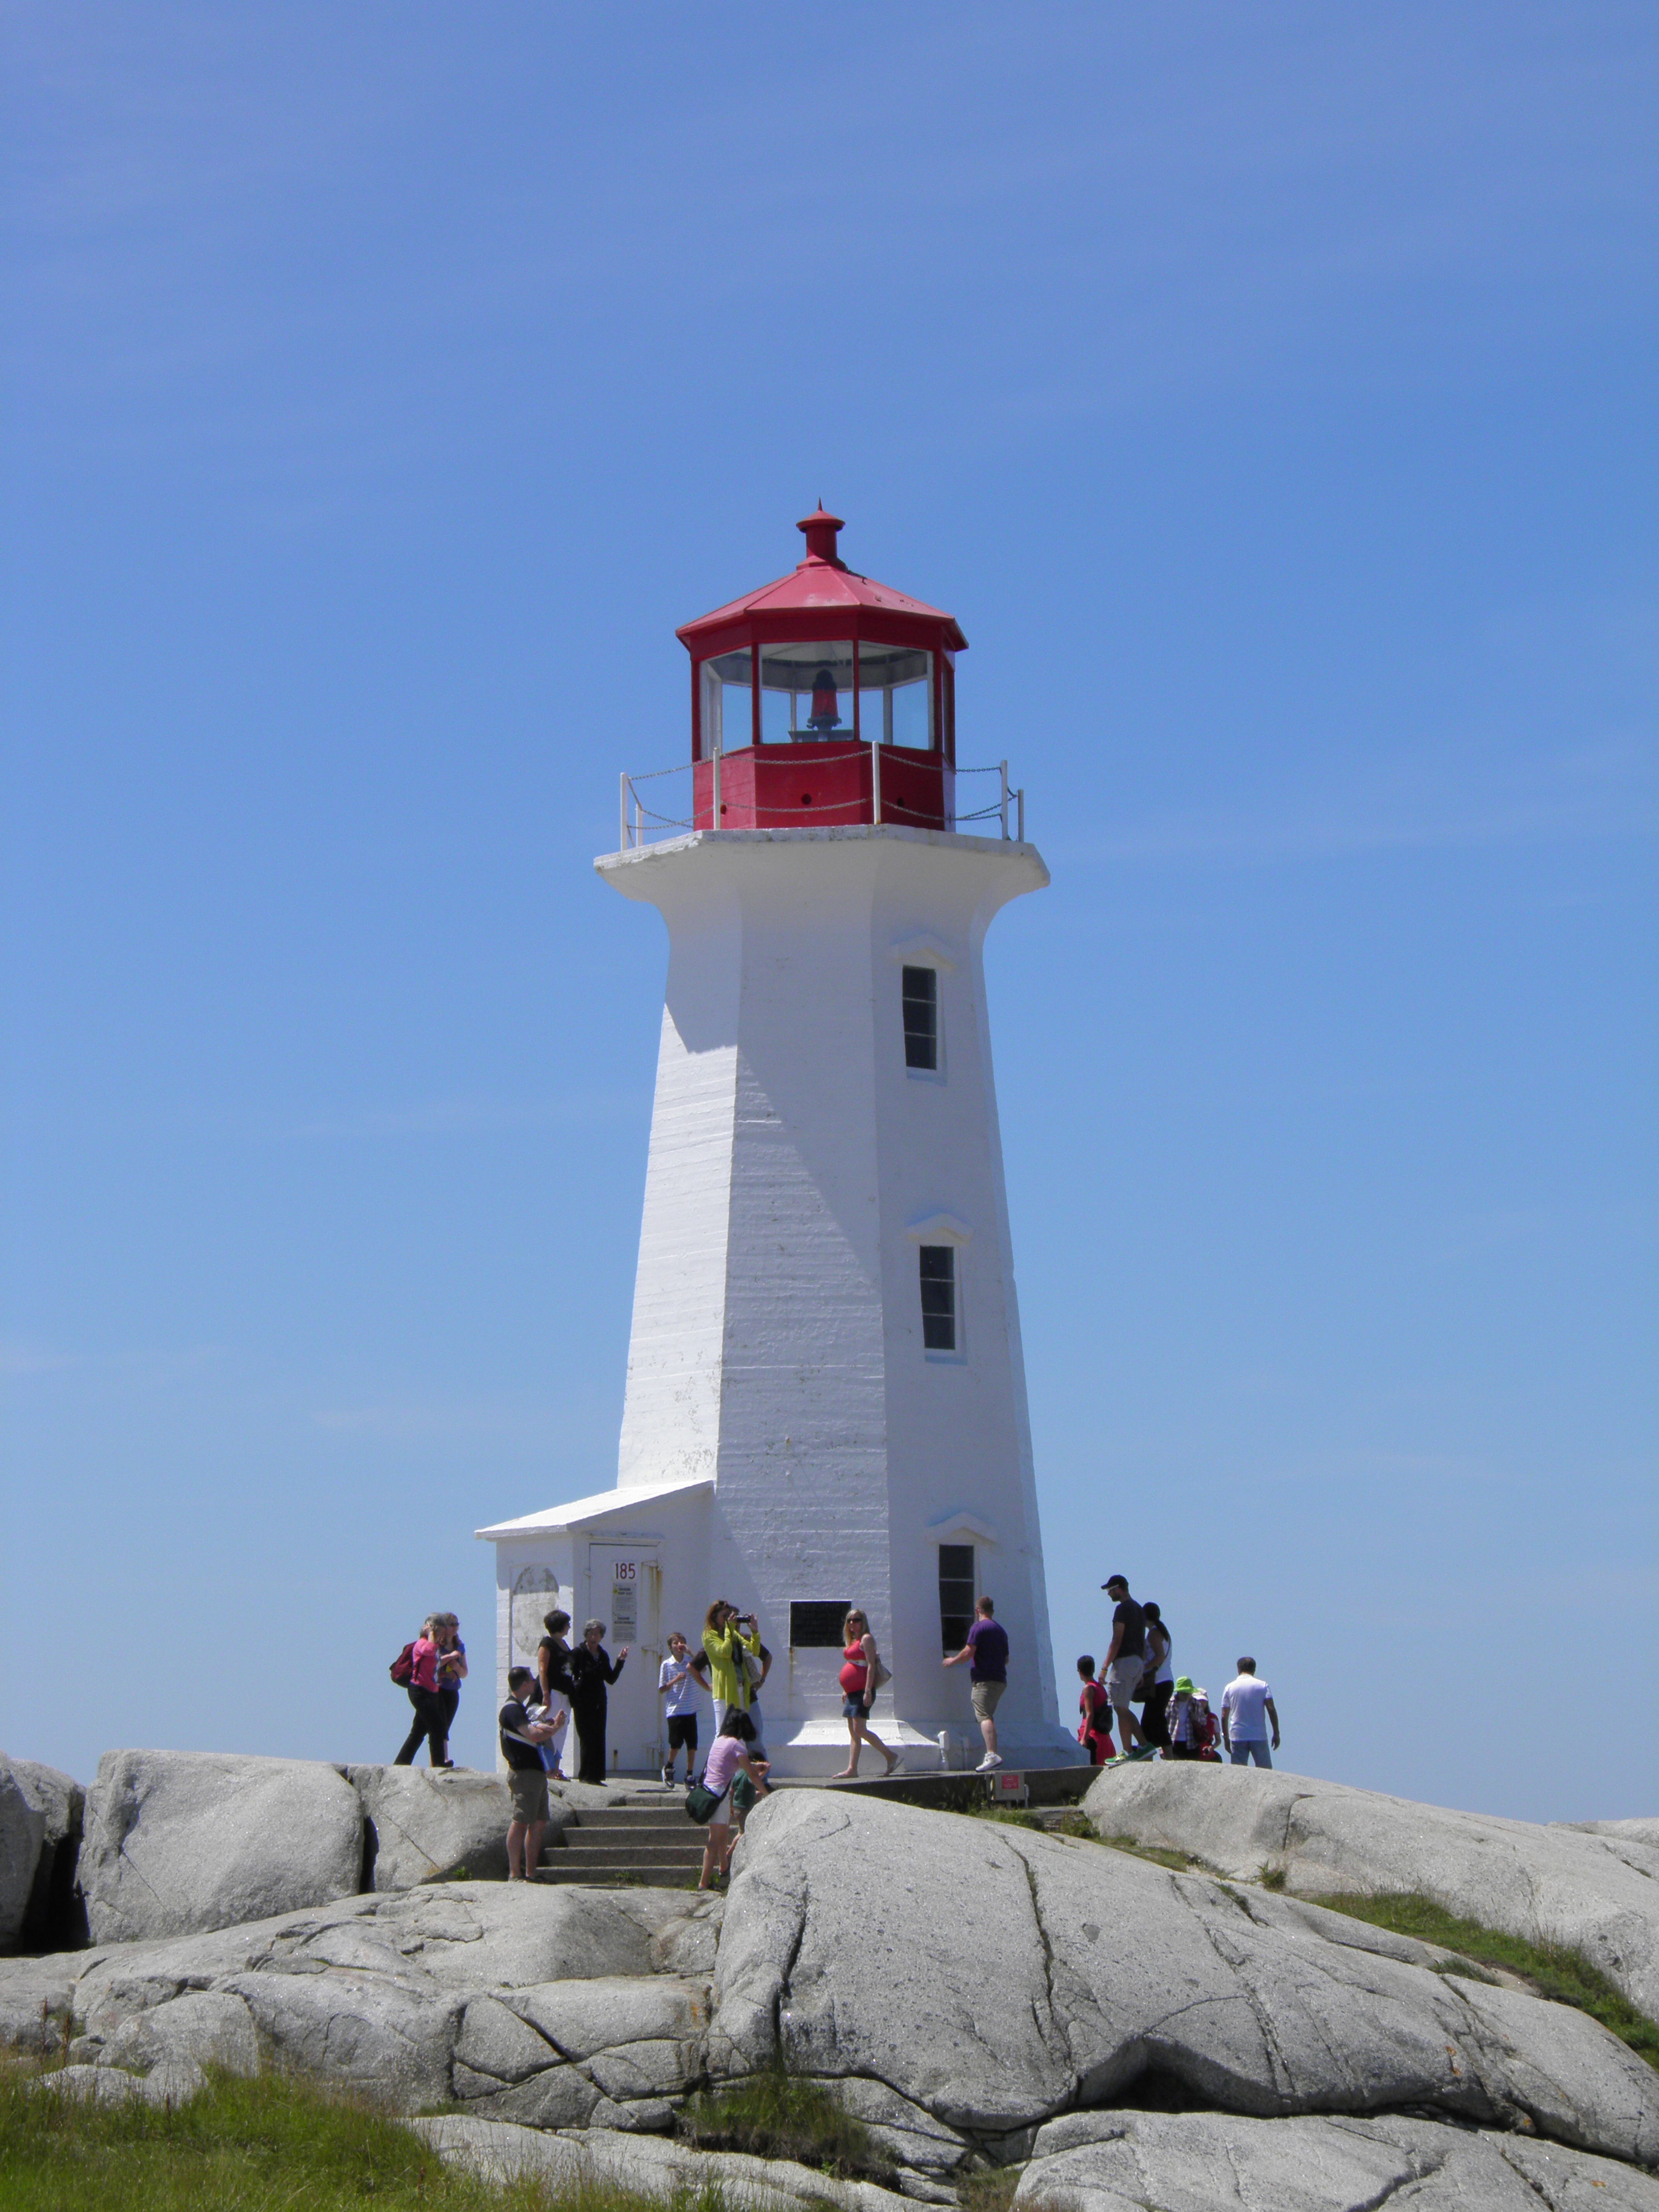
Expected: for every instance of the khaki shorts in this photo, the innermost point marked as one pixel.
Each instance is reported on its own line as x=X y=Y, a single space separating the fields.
x=529 y=1795
x=1123 y=1680
x=987 y=1696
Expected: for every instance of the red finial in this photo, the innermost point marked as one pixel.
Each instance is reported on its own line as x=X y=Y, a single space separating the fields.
x=820 y=530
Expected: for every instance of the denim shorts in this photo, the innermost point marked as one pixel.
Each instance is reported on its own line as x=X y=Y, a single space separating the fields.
x=855 y=1709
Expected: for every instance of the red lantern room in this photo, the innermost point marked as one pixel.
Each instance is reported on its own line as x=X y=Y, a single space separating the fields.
x=821 y=700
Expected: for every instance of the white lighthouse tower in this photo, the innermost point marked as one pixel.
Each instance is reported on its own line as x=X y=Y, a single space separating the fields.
x=826 y=1392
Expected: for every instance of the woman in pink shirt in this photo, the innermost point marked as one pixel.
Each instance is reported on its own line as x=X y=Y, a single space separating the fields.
x=727 y=1760
x=431 y=1724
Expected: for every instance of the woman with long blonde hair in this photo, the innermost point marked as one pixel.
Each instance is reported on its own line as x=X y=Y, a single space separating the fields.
x=859 y=1659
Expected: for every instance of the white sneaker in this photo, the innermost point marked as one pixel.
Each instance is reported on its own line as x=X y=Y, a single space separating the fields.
x=989 y=1763
x=668 y=1776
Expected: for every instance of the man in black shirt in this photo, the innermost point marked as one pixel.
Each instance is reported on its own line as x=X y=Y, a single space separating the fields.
x=1126 y=1661
x=521 y=1741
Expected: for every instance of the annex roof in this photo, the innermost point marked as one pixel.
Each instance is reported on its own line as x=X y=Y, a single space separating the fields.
x=605 y=1505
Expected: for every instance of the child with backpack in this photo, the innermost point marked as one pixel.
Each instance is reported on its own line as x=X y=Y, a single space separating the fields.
x=1094 y=1730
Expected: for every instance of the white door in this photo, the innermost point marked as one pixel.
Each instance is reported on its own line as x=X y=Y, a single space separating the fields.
x=625 y=1591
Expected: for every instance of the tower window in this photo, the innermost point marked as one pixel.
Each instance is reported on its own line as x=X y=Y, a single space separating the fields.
x=939 y=1297
x=956 y=1595
x=814 y=1623
x=921 y=991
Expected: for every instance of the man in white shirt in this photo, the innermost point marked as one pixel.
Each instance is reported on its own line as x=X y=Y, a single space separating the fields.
x=678 y=1683
x=1247 y=1707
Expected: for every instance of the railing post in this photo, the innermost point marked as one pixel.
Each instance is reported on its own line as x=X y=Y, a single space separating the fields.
x=621 y=812
x=1003 y=768
x=875 y=780
x=714 y=790
x=1020 y=795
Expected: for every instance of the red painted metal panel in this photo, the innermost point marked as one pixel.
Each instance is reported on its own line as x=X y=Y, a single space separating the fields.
x=822 y=785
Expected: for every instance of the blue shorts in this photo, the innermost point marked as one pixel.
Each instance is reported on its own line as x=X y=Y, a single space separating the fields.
x=855 y=1709
x=1252 y=1747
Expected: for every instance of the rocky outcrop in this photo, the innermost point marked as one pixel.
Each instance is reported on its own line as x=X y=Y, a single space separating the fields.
x=969 y=1990
x=601 y=2159
x=40 y=1816
x=558 y=2007
x=1214 y=2162
x=998 y=1978
x=436 y=1825
x=182 y=1841
x=1595 y=1890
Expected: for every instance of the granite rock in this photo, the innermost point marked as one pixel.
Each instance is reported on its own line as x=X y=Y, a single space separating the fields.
x=1123 y=2161
x=178 y=1842
x=40 y=1817
x=605 y=2157
x=1595 y=1889
x=997 y=1978
x=429 y=1825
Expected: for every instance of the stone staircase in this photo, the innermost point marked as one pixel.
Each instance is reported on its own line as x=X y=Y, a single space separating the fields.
x=641 y=1835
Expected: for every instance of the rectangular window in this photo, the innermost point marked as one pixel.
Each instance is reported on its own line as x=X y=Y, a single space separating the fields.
x=816 y=1625
x=938 y=1297
x=956 y=1595
x=920 y=996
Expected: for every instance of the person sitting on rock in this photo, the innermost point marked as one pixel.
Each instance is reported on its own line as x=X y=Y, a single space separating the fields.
x=521 y=1740
x=730 y=1756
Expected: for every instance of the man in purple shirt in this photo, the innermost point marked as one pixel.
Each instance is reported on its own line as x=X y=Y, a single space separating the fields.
x=986 y=1654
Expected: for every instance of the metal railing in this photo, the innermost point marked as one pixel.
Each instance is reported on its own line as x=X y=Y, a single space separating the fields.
x=640 y=823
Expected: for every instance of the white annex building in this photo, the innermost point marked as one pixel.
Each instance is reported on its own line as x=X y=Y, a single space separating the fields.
x=826 y=1391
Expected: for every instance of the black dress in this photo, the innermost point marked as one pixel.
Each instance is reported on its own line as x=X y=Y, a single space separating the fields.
x=590 y=1671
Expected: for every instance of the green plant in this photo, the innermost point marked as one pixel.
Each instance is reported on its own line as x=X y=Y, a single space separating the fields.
x=1178 y=1862
x=1564 y=1976
x=247 y=2147
x=990 y=2189
x=1273 y=1877
x=1076 y=1822
x=777 y=2114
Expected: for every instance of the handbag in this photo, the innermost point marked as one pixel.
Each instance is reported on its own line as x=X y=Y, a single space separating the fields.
x=880 y=1674
x=701 y=1804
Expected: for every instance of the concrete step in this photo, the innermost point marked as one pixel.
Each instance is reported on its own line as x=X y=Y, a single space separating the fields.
x=675 y=1877
x=642 y=1823
x=622 y=1854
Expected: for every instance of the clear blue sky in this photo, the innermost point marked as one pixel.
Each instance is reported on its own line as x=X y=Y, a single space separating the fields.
x=1269 y=392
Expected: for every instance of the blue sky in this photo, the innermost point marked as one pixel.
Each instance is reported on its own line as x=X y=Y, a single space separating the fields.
x=1268 y=391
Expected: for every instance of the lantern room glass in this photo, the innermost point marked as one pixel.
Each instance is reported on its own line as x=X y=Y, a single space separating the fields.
x=806 y=690
x=728 y=705
x=807 y=693
x=896 y=696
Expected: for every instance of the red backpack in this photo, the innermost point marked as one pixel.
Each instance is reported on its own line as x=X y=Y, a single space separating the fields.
x=401 y=1669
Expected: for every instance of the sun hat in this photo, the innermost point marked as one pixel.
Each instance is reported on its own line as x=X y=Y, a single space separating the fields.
x=1183 y=1687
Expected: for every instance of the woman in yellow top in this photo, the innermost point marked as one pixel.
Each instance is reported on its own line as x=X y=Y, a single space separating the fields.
x=725 y=1642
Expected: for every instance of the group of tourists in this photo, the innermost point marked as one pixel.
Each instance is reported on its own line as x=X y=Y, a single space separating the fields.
x=567 y=1689
x=1175 y=1720
x=432 y=1668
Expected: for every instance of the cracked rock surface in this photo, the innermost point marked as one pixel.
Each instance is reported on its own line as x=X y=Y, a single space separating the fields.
x=1125 y=2161
x=177 y=1841
x=969 y=1990
x=998 y=1978
x=1594 y=1888
x=556 y=2007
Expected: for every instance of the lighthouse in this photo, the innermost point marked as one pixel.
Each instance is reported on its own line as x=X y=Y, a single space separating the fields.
x=825 y=1403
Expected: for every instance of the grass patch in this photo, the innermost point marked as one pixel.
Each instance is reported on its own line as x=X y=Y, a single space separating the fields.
x=991 y=2189
x=1177 y=1861
x=1565 y=1976
x=245 y=2147
x=1272 y=1878
x=778 y=2115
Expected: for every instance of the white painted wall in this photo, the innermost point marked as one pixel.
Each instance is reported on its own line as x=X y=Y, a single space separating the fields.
x=776 y=1341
